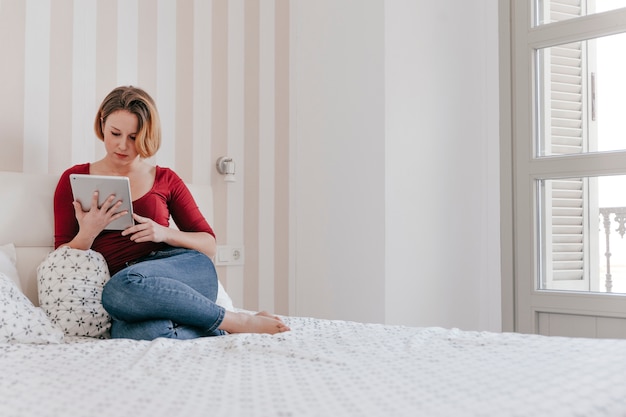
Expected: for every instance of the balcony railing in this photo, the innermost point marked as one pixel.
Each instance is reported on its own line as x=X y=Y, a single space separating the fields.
x=620 y=219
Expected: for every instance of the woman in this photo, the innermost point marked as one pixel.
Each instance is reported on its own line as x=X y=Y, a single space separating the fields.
x=163 y=282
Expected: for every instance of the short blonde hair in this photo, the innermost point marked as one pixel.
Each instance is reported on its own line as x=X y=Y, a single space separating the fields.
x=138 y=102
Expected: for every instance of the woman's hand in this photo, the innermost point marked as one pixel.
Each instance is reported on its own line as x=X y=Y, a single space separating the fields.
x=146 y=230
x=92 y=222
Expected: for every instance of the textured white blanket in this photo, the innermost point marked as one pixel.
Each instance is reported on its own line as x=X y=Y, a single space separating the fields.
x=320 y=368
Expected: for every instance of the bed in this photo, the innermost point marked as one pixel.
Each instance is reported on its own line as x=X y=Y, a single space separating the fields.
x=320 y=368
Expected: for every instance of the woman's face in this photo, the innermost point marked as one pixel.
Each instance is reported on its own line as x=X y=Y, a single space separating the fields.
x=120 y=130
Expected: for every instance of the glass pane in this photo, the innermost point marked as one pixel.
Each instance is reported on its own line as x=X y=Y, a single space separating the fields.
x=582 y=224
x=550 y=11
x=579 y=93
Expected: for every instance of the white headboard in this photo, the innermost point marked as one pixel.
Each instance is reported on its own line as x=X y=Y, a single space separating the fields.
x=27 y=219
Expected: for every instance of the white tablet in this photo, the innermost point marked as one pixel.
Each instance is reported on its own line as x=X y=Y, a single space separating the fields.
x=83 y=187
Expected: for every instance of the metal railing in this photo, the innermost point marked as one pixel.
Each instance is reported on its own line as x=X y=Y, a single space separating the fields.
x=619 y=218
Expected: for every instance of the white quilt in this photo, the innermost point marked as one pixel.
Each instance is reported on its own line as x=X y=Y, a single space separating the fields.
x=320 y=368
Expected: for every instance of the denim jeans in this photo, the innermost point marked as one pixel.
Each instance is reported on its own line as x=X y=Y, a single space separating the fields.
x=169 y=293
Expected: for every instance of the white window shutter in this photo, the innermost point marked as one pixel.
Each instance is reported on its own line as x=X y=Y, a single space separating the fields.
x=567 y=218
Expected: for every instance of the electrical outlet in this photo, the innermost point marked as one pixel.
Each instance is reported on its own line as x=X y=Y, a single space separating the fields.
x=229 y=255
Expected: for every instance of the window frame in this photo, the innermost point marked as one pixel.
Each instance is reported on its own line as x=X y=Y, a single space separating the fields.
x=521 y=166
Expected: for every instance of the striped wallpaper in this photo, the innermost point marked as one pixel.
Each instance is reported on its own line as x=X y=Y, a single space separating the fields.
x=219 y=71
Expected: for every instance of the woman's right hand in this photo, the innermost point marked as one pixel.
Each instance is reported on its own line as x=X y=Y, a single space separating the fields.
x=92 y=222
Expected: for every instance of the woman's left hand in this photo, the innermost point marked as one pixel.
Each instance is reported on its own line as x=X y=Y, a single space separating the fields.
x=145 y=230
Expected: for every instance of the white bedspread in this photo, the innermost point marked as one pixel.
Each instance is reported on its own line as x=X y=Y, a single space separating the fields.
x=320 y=368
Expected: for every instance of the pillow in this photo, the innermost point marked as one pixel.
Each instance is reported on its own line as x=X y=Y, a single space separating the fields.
x=223 y=299
x=20 y=320
x=70 y=285
x=8 y=260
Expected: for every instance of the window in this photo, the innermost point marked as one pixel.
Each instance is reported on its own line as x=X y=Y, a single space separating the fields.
x=569 y=152
x=567 y=117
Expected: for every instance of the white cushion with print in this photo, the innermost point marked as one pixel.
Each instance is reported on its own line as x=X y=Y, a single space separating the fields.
x=20 y=320
x=70 y=283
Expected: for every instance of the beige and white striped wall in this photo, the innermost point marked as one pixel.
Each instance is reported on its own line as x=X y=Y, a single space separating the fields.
x=219 y=71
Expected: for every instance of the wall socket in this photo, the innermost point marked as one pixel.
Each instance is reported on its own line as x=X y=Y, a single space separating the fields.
x=229 y=255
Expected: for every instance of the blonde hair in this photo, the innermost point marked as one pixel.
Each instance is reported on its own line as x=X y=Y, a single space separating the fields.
x=138 y=102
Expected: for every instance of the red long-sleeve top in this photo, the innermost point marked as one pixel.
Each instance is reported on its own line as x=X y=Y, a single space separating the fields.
x=169 y=196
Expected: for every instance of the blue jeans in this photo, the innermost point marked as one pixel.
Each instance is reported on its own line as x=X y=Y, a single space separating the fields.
x=169 y=293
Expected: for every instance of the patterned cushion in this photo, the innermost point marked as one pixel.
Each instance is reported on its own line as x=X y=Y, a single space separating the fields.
x=70 y=285
x=20 y=320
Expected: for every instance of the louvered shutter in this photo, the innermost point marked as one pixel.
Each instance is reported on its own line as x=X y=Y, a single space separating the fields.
x=568 y=248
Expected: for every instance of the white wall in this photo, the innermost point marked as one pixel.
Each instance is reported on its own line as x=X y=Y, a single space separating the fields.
x=442 y=189
x=396 y=114
x=338 y=115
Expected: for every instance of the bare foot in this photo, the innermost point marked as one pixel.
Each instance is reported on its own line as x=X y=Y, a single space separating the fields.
x=262 y=322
